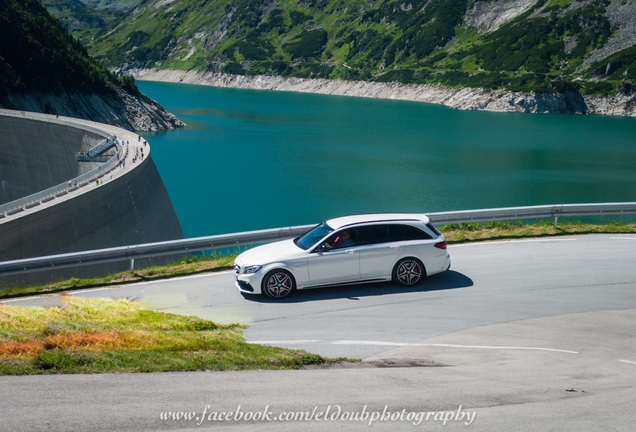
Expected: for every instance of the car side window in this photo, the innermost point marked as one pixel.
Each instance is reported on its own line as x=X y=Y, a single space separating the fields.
x=373 y=234
x=396 y=233
x=341 y=239
x=432 y=228
x=377 y=234
x=407 y=232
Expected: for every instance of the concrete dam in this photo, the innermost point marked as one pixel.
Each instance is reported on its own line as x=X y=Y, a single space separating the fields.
x=113 y=199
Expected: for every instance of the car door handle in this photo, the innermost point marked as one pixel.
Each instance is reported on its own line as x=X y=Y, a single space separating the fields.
x=351 y=251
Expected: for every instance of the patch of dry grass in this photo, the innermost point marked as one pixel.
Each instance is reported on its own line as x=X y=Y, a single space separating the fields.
x=104 y=335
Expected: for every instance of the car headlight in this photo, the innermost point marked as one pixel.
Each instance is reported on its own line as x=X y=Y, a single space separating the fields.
x=252 y=269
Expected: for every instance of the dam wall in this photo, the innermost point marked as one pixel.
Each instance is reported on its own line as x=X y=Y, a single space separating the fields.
x=36 y=155
x=127 y=206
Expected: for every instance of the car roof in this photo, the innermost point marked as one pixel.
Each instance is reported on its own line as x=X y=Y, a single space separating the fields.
x=343 y=221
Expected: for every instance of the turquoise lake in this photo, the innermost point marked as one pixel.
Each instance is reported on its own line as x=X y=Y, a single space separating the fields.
x=252 y=159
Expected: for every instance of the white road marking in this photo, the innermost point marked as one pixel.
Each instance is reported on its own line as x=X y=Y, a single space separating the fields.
x=352 y=342
x=628 y=361
x=543 y=239
x=498 y=347
x=20 y=299
x=82 y=291
x=157 y=281
x=281 y=342
x=398 y=344
x=114 y=287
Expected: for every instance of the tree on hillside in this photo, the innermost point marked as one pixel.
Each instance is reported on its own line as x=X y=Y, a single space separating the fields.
x=38 y=55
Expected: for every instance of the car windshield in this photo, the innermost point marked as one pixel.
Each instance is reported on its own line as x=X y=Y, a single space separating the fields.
x=312 y=237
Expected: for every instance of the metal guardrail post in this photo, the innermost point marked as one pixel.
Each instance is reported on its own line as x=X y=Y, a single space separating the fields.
x=556 y=211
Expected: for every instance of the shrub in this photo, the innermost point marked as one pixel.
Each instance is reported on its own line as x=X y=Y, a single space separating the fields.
x=309 y=44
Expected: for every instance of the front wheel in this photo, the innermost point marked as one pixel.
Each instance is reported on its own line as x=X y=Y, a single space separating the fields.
x=408 y=272
x=278 y=284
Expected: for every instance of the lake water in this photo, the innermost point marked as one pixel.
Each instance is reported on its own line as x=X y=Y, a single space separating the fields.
x=252 y=159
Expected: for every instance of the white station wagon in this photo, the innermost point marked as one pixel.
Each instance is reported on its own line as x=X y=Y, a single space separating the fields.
x=404 y=248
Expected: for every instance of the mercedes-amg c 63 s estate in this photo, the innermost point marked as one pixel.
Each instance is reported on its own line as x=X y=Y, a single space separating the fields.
x=404 y=248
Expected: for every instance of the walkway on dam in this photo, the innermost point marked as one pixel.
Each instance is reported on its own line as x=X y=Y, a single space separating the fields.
x=136 y=144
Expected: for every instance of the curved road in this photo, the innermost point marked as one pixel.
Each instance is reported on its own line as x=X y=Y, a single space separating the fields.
x=534 y=334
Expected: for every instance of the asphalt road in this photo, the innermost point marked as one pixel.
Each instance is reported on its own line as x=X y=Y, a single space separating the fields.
x=526 y=335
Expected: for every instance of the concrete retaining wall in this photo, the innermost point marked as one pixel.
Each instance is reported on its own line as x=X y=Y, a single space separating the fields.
x=132 y=206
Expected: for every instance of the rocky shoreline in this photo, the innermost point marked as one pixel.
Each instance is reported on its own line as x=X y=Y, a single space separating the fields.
x=462 y=99
x=131 y=112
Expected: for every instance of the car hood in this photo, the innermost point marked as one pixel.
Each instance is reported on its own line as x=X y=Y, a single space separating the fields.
x=271 y=252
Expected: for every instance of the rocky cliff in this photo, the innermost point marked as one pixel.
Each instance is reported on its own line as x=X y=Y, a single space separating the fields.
x=131 y=112
x=464 y=99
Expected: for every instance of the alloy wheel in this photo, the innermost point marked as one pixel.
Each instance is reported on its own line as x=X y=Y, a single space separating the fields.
x=279 y=284
x=408 y=272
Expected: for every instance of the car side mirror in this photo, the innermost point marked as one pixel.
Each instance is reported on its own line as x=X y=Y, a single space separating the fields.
x=322 y=248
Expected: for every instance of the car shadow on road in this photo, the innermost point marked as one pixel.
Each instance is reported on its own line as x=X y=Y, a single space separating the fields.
x=439 y=282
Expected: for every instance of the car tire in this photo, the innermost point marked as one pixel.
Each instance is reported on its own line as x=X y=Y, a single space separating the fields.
x=278 y=284
x=409 y=272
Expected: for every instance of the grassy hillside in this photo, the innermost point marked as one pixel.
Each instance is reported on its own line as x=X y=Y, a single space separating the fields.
x=84 y=18
x=526 y=45
x=81 y=20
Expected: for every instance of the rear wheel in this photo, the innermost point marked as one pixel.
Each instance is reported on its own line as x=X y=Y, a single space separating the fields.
x=278 y=284
x=408 y=272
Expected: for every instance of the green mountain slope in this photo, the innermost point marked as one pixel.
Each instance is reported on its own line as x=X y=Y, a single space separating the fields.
x=42 y=56
x=520 y=45
x=84 y=18
x=43 y=68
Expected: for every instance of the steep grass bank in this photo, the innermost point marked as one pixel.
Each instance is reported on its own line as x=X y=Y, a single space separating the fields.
x=103 y=335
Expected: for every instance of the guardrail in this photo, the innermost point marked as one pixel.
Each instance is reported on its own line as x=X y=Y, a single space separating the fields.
x=533 y=212
x=70 y=185
x=198 y=244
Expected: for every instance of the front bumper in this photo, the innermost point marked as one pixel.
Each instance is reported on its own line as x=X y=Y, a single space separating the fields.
x=244 y=286
x=249 y=283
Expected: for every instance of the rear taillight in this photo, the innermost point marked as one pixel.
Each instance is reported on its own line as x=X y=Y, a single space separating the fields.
x=441 y=245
